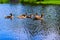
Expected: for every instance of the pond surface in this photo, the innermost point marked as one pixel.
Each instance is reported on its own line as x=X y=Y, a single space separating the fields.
x=28 y=29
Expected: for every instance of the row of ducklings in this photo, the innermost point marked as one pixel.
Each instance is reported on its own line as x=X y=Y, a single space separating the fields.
x=35 y=16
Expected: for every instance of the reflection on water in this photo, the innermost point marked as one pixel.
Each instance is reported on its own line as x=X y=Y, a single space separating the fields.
x=28 y=29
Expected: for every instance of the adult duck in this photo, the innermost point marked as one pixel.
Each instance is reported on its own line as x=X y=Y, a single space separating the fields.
x=37 y=17
x=10 y=16
x=22 y=16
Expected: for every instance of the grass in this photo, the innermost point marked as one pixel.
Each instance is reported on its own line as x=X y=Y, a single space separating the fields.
x=34 y=2
x=4 y=1
x=50 y=2
x=42 y=2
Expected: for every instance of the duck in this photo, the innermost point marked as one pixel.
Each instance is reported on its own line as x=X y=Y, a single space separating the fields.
x=37 y=17
x=30 y=16
x=22 y=16
x=10 y=16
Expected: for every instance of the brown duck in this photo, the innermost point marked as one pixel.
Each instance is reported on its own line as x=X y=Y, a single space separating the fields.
x=37 y=17
x=22 y=16
x=10 y=16
x=30 y=16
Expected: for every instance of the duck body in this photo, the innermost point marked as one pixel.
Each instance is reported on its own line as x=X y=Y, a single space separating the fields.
x=37 y=17
x=9 y=17
x=28 y=17
x=22 y=16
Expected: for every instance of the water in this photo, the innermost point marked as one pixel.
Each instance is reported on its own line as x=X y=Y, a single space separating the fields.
x=28 y=29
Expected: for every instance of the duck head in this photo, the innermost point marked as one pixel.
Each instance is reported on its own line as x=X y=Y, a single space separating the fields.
x=42 y=15
x=36 y=13
x=10 y=14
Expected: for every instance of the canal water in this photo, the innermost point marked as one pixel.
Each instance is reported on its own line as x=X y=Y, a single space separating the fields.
x=28 y=29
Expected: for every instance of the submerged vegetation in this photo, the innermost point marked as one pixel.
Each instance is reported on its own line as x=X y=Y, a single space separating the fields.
x=32 y=1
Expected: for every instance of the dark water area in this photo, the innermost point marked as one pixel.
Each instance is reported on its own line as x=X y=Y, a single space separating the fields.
x=28 y=29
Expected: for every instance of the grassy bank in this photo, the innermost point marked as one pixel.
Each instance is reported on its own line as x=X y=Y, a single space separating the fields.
x=33 y=1
x=4 y=1
x=42 y=2
x=50 y=2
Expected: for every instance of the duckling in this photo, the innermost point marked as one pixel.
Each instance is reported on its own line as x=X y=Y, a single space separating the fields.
x=30 y=16
x=10 y=16
x=37 y=17
x=22 y=16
